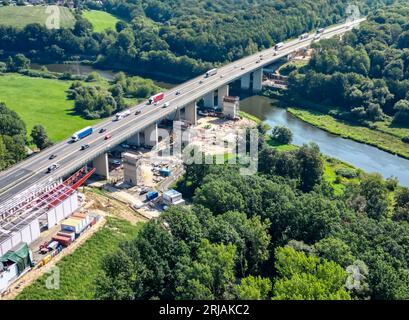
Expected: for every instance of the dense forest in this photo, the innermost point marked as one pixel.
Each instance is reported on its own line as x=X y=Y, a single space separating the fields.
x=12 y=137
x=366 y=74
x=278 y=234
x=179 y=38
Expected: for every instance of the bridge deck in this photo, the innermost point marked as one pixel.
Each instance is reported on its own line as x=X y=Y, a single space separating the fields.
x=70 y=158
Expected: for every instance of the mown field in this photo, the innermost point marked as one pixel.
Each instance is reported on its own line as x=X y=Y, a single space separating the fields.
x=42 y=101
x=21 y=16
x=100 y=20
x=79 y=270
x=384 y=137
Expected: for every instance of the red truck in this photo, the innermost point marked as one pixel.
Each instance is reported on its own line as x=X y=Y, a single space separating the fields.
x=155 y=98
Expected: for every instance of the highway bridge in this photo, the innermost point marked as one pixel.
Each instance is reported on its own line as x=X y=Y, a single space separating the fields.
x=32 y=172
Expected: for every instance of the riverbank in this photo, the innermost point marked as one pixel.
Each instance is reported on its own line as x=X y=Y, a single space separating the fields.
x=360 y=155
x=337 y=173
x=250 y=117
x=381 y=138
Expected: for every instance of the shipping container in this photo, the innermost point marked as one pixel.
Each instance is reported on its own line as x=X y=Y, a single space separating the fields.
x=79 y=215
x=93 y=221
x=63 y=240
x=152 y=195
x=71 y=224
x=165 y=172
x=82 y=224
x=85 y=216
x=67 y=234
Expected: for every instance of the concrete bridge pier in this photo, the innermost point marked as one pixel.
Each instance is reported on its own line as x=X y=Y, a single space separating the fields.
x=101 y=165
x=135 y=140
x=221 y=93
x=191 y=113
x=177 y=115
x=245 y=82
x=258 y=80
x=151 y=135
x=209 y=100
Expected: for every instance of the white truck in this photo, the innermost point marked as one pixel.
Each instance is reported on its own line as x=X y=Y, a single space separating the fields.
x=121 y=115
x=211 y=72
x=278 y=45
x=304 y=36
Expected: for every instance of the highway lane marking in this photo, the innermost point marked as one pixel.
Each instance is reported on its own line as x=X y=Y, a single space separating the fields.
x=295 y=43
x=123 y=124
x=185 y=86
x=18 y=182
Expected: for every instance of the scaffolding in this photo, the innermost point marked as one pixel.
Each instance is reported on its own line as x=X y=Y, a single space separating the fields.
x=34 y=203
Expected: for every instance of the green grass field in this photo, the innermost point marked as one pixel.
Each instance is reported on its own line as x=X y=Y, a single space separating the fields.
x=100 y=20
x=331 y=175
x=42 y=101
x=21 y=16
x=79 y=270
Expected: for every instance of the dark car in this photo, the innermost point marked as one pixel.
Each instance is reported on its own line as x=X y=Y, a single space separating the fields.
x=137 y=112
x=53 y=156
x=52 y=167
x=85 y=146
x=102 y=130
x=177 y=93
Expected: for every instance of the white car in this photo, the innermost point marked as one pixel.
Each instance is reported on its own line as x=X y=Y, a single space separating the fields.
x=166 y=104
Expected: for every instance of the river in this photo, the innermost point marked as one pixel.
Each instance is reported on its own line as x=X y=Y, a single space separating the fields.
x=365 y=157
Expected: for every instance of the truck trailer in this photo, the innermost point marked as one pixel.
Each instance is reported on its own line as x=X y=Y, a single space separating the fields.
x=121 y=115
x=278 y=45
x=155 y=98
x=211 y=72
x=81 y=134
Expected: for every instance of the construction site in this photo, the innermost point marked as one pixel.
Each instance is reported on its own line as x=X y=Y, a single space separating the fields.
x=49 y=221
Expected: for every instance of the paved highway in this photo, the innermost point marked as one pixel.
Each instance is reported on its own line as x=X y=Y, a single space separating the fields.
x=32 y=171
